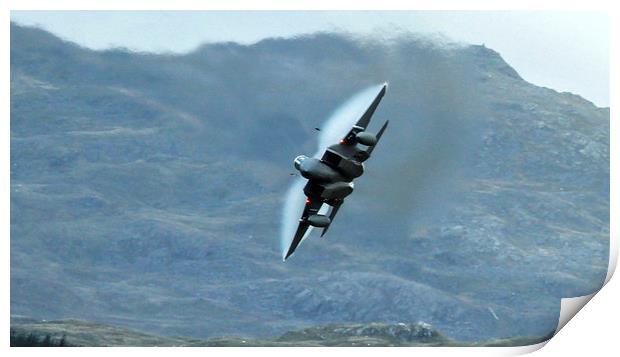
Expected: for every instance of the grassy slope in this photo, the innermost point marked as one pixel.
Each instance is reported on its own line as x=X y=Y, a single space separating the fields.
x=84 y=333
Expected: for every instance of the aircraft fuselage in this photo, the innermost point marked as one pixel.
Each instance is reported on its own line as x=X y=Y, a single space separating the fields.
x=324 y=182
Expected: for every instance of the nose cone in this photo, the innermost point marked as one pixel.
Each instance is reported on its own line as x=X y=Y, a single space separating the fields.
x=298 y=160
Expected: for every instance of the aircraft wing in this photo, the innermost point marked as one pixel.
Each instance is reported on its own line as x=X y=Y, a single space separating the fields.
x=312 y=207
x=363 y=122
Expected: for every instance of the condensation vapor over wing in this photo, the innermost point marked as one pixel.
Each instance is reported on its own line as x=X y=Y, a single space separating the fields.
x=338 y=124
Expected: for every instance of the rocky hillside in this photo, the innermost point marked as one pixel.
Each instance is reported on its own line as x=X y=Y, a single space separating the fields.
x=82 y=333
x=146 y=189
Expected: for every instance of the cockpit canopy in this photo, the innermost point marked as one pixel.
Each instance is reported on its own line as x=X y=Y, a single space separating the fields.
x=298 y=160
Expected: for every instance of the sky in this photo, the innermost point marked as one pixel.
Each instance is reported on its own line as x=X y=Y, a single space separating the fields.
x=564 y=50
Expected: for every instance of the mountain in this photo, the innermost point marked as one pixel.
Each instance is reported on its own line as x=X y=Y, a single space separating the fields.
x=146 y=189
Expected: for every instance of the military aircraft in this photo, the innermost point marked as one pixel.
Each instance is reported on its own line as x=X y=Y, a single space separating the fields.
x=330 y=179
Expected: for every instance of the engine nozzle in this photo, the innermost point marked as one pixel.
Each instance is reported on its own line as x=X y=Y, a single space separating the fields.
x=298 y=160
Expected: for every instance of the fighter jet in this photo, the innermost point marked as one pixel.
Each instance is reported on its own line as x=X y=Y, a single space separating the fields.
x=330 y=179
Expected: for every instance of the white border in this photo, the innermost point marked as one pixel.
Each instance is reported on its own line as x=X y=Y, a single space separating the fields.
x=310 y=5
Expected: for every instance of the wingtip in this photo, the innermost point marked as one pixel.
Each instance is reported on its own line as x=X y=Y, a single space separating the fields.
x=288 y=254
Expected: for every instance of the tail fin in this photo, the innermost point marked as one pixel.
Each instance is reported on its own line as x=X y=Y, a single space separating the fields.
x=365 y=119
x=379 y=134
x=335 y=206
